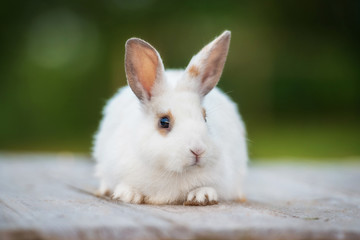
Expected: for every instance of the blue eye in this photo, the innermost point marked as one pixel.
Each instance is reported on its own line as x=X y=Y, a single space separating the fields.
x=164 y=122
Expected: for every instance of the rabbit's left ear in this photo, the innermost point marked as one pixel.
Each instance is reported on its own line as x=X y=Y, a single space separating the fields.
x=206 y=67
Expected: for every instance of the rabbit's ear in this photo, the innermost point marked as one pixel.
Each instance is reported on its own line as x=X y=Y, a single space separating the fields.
x=144 y=68
x=206 y=67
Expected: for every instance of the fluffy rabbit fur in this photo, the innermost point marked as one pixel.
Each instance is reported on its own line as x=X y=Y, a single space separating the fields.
x=196 y=156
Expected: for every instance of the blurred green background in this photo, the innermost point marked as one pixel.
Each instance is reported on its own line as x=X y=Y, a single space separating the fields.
x=293 y=68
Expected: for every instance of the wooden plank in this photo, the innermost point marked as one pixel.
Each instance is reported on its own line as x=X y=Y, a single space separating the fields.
x=51 y=197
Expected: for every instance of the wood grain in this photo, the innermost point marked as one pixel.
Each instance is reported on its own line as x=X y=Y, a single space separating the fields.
x=52 y=197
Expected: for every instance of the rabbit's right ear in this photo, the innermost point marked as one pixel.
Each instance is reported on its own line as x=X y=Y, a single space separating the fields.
x=144 y=68
x=205 y=68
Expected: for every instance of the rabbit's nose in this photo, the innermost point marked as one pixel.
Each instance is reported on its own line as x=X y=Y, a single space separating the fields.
x=197 y=153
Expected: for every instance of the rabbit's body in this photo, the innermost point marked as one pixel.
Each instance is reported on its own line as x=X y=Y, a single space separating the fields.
x=182 y=157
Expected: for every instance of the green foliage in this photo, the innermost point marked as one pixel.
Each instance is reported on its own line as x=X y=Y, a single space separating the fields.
x=61 y=60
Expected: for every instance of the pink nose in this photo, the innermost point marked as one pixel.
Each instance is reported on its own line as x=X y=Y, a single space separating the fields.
x=197 y=153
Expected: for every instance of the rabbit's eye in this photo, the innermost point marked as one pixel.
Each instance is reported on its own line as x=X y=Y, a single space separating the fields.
x=164 y=122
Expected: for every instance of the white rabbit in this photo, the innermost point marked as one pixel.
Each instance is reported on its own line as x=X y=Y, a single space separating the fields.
x=172 y=137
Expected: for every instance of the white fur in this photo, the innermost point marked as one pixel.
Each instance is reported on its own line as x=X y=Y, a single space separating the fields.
x=137 y=163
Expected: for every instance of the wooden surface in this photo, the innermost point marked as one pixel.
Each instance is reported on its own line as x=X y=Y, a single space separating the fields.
x=51 y=197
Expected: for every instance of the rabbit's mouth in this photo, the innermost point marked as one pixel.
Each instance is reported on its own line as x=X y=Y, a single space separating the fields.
x=197 y=162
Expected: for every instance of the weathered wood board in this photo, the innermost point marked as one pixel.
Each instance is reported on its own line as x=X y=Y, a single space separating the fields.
x=51 y=197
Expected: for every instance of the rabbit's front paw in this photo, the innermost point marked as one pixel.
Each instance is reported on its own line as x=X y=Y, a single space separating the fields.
x=127 y=194
x=201 y=197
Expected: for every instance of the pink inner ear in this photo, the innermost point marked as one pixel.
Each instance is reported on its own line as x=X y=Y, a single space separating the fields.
x=208 y=64
x=145 y=61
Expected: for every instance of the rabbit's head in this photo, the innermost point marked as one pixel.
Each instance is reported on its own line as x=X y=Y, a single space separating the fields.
x=175 y=135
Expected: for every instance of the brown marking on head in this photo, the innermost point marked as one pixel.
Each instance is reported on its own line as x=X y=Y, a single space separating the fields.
x=204 y=113
x=165 y=131
x=194 y=71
